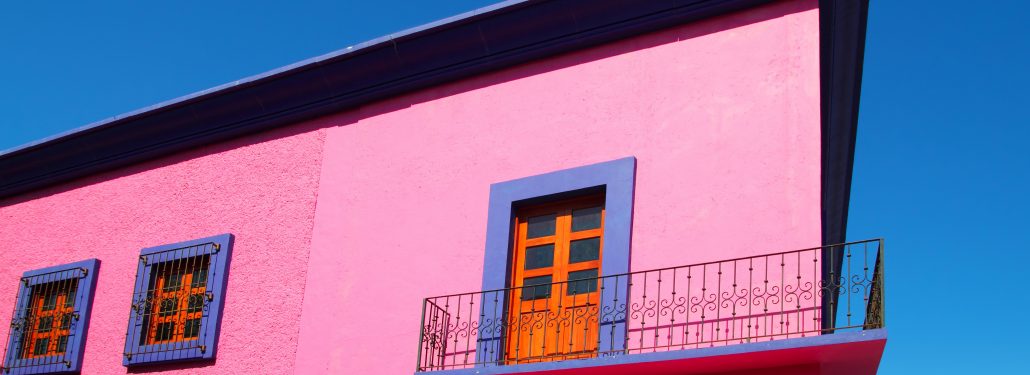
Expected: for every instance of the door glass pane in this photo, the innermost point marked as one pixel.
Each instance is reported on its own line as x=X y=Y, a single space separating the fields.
x=587 y=282
x=536 y=288
x=540 y=226
x=539 y=257
x=585 y=250
x=587 y=218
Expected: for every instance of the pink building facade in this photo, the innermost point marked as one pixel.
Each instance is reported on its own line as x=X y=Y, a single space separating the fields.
x=345 y=192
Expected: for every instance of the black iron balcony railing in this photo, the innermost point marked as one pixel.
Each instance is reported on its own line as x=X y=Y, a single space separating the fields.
x=777 y=296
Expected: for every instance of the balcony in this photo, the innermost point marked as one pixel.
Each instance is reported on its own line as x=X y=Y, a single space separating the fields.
x=803 y=310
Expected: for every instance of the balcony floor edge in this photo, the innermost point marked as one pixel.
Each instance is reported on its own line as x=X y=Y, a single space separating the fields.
x=842 y=353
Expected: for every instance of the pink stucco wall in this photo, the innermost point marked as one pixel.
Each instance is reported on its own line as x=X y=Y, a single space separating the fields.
x=260 y=188
x=722 y=115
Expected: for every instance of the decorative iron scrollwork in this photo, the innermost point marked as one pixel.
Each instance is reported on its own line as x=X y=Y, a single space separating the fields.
x=760 y=298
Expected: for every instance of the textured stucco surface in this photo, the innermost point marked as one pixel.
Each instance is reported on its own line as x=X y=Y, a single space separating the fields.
x=261 y=188
x=722 y=116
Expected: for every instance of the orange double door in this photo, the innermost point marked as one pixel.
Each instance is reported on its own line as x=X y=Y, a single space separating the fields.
x=553 y=311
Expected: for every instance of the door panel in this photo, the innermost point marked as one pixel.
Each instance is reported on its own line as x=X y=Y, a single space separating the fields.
x=556 y=260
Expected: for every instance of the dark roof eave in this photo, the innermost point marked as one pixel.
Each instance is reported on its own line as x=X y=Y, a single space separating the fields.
x=486 y=39
x=842 y=29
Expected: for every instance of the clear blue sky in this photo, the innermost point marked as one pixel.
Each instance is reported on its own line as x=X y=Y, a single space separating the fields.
x=942 y=169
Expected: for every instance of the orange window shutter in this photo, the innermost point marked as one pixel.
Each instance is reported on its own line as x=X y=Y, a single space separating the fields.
x=50 y=314
x=179 y=294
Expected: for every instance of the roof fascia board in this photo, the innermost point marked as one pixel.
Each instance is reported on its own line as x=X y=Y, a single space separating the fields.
x=488 y=39
x=483 y=40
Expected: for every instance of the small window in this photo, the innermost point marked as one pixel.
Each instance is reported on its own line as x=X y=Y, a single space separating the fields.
x=173 y=283
x=48 y=328
x=177 y=301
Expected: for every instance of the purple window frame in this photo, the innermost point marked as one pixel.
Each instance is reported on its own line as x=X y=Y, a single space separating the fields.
x=217 y=277
x=86 y=271
x=617 y=178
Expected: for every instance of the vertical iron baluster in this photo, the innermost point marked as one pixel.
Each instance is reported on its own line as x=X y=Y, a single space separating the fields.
x=581 y=310
x=718 y=305
x=751 y=297
x=600 y=313
x=736 y=324
x=765 y=298
x=848 y=283
x=421 y=336
x=643 y=322
x=547 y=315
x=658 y=312
x=184 y=263
x=48 y=290
x=672 y=313
x=830 y=292
x=686 y=323
x=574 y=313
x=866 y=278
x=704 y=298
x=878 y=274
x=628 y=316
x=798 y=290
x=815 y=293
x=495 y=341
x=447 y=330
x=731 y=332
x=468 y=332
x=615 y=314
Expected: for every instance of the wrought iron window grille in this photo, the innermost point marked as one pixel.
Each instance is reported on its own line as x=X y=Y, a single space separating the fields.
x=808 y=292
x=177 y=301
x=50 y=320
